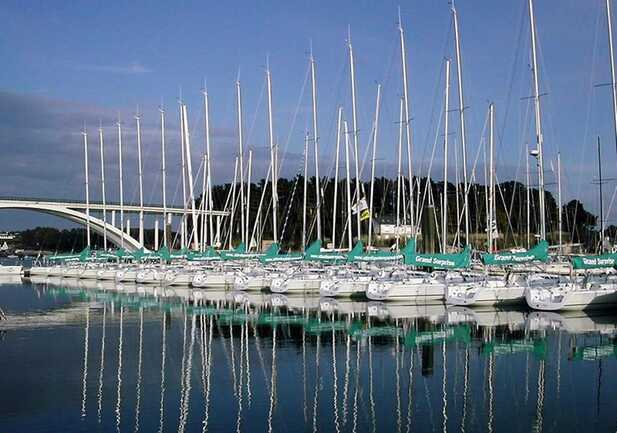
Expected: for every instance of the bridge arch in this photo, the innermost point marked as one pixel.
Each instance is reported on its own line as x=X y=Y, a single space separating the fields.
x=114 y=234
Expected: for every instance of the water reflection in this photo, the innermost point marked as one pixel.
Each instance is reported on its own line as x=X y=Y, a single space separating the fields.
x=207 y=360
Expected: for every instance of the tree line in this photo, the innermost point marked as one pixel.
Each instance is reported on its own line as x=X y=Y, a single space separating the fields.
x=512 y=198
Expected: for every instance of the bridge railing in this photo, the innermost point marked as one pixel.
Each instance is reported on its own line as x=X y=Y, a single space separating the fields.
x=80 y=202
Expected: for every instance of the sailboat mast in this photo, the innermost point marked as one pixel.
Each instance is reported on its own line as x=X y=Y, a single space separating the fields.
x=336 y=175
x=406 y=122
x=354 y=113
x=461 y=111
x=85 y=136
x=444 y=211
x=375 y=130
x=273 y=159
x=528 y=179
x=600 y=181
x=399 y=173
x=163 y=176
x=233 y=203
x=306 y=138
x=248 y=198
x=202 y=204
x=208 y=164
x=539 y=137
x=491 y=206
x=189 y=170
x=183 y=236
x=102 y=154
x=141 y=183
x=559 y=215
x=241 y=156
x=119 y=125
x=609 y=19
x=348 y=184
x=316 y=145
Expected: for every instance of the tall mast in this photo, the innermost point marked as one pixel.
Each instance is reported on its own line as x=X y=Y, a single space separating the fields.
x=189 y=170
x=273 y=158
x=141 y=181
x=85 y=136
x=375 y=129
x=600 y=181
x=183 y=237
x=202 y=205
x=306 y=138
x=461 y=110
x=163 y=176
x=248 y=199
x=491 y=206
x=528 y=179
x=407 y=119
x=354 y=113
x=559 y=215
x=102 y=153
x=119 y=125
x=208 y=165
x=316 y=145
x=609 y=19
x=538 y=152
x=241 y=157
x=336 y=170
x=348 y=185
x=233 y=203
x=444 y=211
x=399 y=173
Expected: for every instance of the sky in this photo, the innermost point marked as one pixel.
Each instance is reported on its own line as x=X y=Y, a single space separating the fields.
x=70 y=65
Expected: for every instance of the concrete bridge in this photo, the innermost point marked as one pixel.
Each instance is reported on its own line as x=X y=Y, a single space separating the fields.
x=75 y=211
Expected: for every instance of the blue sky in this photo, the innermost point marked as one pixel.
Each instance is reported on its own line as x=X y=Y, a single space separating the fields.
x=70 y=63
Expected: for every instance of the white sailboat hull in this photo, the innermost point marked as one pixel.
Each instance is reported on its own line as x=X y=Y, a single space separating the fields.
x=10 y=270
x=402 y=291
x=344 y=287
x=310 y=284
x=178 y=278
x=561 y=299
x=214 y=279
x=470 y=294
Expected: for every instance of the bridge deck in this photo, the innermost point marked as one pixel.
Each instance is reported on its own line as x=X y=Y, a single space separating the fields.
x=98 y=206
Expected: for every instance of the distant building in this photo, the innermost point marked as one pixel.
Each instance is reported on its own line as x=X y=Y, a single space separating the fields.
x=6 y=236
x=386 y=228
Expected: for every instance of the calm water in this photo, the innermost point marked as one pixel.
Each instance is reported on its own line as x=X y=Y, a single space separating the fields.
x=87 y=358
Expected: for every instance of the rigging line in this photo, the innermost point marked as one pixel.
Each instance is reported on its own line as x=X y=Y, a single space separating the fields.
x=437 y=96
x=583 y=154
x=503 y=200
x=249 y=136
x=472 y=177
x=508 y=104
x=293 y=122
x=522 y=152
x=289 y=205
x=429 y=170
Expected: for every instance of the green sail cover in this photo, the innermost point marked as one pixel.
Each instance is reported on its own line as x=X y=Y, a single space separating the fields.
x=240 y=252
x=594 y=262
x=209 y=255
x=539 y=253
x=313 y=253
x=275 y=257
x=384 y=256
x=437 y=261
x=82 y=256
